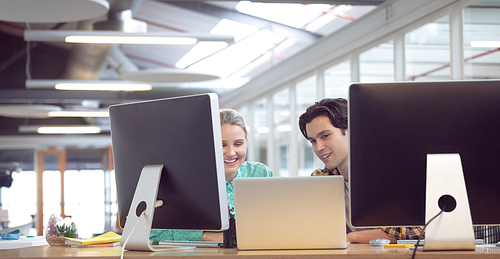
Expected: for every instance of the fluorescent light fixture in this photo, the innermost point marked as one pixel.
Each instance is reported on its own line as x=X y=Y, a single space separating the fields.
x=79 y=114
x=167 y=75
x=263 y=130
x=69 y=130
x=285 y=113
x=485 y=44
x=27 y=110
x=64 y=129
x=120 y=37
x=103 y=87
x=130 y=40
x=284 y=128
x=89 y=85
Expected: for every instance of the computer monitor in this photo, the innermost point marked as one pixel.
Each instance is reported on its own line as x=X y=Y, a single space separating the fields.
x=397 y=129
x=179 y=140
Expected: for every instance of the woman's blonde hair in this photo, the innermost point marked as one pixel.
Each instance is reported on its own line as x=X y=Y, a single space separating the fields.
x=232 y=117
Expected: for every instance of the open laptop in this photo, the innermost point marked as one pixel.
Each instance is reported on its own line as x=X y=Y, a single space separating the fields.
x=290 y=213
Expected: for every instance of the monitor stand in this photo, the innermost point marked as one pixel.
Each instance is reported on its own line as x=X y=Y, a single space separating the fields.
x=145 y=198
x=445 y=186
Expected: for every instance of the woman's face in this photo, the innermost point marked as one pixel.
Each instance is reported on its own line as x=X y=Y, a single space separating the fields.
x=234 y=145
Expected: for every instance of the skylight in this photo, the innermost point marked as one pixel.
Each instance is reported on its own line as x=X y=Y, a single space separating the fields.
x=295 y=15
x=203 y=50
x=238 y=55
x=261 y=47
x=252 y=47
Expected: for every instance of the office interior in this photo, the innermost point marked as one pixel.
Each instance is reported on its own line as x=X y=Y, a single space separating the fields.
x=368 y=41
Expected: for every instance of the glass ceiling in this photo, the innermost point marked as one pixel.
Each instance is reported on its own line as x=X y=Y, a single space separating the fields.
x=255 y=47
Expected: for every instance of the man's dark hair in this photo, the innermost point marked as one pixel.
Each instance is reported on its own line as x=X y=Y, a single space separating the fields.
x=334 y=109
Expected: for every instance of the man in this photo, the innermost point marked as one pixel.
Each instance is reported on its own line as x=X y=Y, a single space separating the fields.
x=324 y=124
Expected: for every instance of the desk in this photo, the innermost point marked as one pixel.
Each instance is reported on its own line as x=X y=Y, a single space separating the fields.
x=354 y=251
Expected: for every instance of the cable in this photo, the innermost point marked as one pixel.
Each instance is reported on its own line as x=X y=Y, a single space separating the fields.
x=158 y=203
x=130 y=234
x=28 y=56
x=423 y=231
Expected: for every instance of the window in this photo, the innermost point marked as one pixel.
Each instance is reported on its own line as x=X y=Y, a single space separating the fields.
x=306 y=96
x=84 y=200
x=482 y=40
x=282 y=129
x=260 y=130
x=427 y=52
x=377 y=64
x=20 y=198
x=51 y=195
x=337 y=80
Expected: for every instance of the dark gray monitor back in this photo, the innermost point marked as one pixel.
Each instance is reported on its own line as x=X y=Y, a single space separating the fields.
x=393 y=126
x=184 y=135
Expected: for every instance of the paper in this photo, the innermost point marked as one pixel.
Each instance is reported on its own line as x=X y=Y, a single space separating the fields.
x=23 y=242
x=108 y=237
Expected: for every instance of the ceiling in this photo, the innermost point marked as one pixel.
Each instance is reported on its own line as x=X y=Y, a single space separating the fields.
x=19 y=60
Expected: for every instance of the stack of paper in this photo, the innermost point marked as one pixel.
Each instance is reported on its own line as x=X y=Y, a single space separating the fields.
x=23 y=242
x=108 y=238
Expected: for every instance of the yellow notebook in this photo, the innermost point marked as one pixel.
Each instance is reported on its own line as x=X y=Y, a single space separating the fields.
x=108 y=237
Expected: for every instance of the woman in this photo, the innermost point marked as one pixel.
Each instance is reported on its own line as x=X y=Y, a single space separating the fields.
x=234 y=146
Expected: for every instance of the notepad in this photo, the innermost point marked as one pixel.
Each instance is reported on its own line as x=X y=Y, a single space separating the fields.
x=108 y=237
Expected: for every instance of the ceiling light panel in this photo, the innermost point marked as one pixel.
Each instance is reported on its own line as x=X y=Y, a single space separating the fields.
x=69 y=130
x=119 y=37
x=102 y=87
x=87 y=85
x=82 y=114
x=130 y=40
x=64 y=129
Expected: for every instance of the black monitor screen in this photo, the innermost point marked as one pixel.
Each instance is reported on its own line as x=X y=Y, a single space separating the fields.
x=184 y=135
x=392 y=128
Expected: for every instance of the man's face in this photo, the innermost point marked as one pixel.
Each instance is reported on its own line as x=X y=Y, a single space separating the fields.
x=328 y=143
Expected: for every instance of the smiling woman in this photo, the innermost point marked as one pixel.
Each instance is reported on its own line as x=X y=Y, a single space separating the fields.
x=234 y=141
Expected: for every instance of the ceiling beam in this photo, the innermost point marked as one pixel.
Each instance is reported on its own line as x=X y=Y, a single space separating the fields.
x=335 y=2
x=54 y=96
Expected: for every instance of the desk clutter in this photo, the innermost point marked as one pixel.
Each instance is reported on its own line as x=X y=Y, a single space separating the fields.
x=13 y=235
x=63 y=232
x=59 y=229
x=107 y=239
x=22 y=242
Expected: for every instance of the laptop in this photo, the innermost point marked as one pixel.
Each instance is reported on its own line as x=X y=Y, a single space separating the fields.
x=290 y=213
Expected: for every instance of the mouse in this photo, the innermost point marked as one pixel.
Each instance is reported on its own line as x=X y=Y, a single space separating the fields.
x=379 y=242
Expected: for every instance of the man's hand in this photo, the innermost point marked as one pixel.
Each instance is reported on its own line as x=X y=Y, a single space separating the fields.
x=365 y=236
